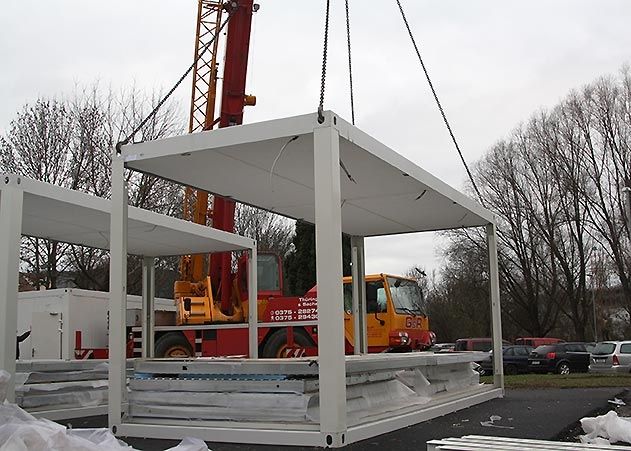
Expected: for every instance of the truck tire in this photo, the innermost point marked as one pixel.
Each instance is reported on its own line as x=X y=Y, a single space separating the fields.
x=173 y=345
x=277 y=343
x=563 y=368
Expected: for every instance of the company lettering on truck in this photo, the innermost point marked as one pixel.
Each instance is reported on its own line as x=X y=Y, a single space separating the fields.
x=306 y=310
x=413 y=323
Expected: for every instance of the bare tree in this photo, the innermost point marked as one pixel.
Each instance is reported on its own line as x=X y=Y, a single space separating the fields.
x=68 y=142
x=271 y=231
x=555 y=184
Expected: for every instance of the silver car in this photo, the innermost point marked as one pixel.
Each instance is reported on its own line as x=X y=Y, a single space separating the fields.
x=611 y=357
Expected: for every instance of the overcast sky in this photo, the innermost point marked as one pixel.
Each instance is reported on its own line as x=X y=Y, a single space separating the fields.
x=493 y=64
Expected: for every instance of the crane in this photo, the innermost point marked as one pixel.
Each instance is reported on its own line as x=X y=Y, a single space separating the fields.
x=202 y=117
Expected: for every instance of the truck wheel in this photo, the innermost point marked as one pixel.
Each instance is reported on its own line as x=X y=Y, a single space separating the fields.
x=563 y=368
x=277 y=343
x=173 y=345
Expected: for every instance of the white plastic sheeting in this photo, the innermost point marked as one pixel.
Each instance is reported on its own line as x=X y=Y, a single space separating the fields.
x=20 y=431
x=4 y=380
x=606 y=429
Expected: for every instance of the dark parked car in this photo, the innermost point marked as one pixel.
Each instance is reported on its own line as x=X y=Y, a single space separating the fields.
x=515 y=360
x=476 y=344
x=562 y=358
x=443 y=347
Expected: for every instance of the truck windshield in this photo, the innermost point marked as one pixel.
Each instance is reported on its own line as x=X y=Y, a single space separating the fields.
x=268 y=277
x=406 y=296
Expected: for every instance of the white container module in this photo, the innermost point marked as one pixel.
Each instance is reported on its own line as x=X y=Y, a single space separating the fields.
x=53 y=316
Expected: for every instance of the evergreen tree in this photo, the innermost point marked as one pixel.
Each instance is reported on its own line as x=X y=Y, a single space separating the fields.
x=300 y=262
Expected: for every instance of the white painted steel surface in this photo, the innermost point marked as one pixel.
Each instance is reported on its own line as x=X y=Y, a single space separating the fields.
x=73 y=217
x=399 y=421
x=496 y=313
x=148 y=306
x=11 y=203
x=232 y=433
x=391 y=195
x=483 y=442
x=328 y=247
x=253 y=311
x=358 y=270
x=118 y=293
x=38 y=209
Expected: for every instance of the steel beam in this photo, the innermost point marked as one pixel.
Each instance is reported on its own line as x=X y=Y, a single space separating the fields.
x=118 y=293
x=253 y=313
x=232 y=433
x=496 y=312
x=396 y=421
x=360 y=330
x=11 y=201
x=148 y=307
x=329 y=279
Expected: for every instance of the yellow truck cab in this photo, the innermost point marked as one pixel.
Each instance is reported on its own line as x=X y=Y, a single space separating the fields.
x=396 y=319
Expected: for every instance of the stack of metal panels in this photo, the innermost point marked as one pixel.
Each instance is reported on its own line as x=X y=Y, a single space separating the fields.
x=43 y=385
x=287 y=390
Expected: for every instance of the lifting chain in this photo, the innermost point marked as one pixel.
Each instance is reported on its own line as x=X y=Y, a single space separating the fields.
x=440 y=107
x=324 y=56
x=350 y=66
x=175 y=86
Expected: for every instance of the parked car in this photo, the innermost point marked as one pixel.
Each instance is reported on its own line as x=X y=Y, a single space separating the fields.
x=515 y=360
x=537 y=341
x=443 y=347
x=562 y=358
x=476 y=344
x=611 y=357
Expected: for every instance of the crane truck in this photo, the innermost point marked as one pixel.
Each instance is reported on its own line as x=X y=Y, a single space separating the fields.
x=396 y=321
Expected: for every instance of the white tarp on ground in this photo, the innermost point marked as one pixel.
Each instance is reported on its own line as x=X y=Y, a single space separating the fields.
x=606 y=429
x=20 y=431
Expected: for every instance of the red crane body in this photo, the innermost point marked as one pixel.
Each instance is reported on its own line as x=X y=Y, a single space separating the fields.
x=233 y=100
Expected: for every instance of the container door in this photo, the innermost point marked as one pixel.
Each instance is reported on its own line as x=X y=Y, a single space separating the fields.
x=46 y=335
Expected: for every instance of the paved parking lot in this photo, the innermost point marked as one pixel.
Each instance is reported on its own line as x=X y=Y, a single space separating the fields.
x=539 y=414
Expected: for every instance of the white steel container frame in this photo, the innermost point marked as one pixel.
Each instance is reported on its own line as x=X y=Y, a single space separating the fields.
x=38 y=209
x=118 y=292
x=332 y=430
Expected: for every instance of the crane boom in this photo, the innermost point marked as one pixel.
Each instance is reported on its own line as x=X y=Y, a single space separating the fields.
x=202 y=117
x=233 y=100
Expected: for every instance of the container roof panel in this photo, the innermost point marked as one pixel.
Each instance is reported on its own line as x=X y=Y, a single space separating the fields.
x=259 y=164
x=77 y=218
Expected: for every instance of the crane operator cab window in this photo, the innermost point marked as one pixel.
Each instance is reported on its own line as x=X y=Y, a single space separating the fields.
x=376 y=300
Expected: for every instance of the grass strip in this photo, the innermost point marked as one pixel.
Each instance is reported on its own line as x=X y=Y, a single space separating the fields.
x=579 y=380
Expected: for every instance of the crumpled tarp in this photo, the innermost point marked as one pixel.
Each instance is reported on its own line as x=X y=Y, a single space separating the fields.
x=606 y=429
x=20 y=431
